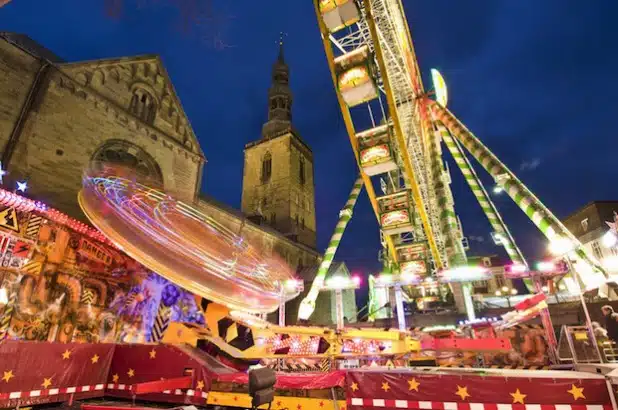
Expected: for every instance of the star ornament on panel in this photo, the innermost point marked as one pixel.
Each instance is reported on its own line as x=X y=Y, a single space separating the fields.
x=518 y=397
x=152 y=354
x=354 y=386
x=94 y=359
x=66 y=354
x=46 y=382
x=115 y=378
x=576 y=392
x=385 y=386
x=413 y=384
x=8 y=375
x=462 y=392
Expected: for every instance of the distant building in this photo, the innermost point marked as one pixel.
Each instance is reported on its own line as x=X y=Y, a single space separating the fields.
x=325 y=307
x=589 y=224
x=498 y=280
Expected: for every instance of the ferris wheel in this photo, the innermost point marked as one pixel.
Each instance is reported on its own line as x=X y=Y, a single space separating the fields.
x=377 y=80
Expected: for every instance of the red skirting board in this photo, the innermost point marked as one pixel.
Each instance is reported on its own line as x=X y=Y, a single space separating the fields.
x=506 y=390
x=36 y=372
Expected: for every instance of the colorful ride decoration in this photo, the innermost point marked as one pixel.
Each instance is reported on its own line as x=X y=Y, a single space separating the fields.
x=395 y=212
x=376 y=150
x=338 y=14
x=413 y=259
x=66 y=282
x=356 y=77
x=182 y=244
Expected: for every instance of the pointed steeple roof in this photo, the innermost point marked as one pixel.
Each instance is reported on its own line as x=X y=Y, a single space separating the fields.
x=280 y=59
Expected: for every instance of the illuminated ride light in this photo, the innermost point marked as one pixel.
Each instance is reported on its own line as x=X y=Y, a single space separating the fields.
x=464 y=274
x=21 y=204
x=183 y=245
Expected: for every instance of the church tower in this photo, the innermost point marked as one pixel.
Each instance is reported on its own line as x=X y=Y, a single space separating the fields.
x=278 y=188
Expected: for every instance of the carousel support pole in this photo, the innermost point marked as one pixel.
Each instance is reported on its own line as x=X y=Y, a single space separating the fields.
x=282 y=308
x=401 y=316
x=339 y=308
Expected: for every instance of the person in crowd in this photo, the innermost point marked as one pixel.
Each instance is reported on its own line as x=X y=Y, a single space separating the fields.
x=611 y=322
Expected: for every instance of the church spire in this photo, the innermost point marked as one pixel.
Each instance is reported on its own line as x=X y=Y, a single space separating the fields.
x=279 y=98
x=280 y=59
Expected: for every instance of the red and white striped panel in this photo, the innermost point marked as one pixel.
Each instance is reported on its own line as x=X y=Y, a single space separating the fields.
x=177 y=392
x=435 y=405
x=50 y=392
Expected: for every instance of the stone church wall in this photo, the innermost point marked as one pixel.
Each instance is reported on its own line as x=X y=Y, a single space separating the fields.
x=17 y=72
x=66 y=125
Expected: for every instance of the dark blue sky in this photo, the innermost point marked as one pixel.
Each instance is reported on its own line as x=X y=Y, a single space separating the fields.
x=535 y=80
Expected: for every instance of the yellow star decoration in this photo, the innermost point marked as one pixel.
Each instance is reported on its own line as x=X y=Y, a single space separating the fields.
x=131 y=373
x=354 y=386
x=385 y=386
x=577 y=392
x=200 y=385
x=94 y=359
x=115 y=378
x=46 y=382
x=413 y=384
x=8 y=375
x=462 y=392
x=66 y=354
x=518 y=397
x=152 y=353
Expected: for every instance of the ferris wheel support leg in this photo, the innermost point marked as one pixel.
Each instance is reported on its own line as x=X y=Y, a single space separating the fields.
x=449 y=225
x=307 y=306
x=481 y=195
x=547 y=223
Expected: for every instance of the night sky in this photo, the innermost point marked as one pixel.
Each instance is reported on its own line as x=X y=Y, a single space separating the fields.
x=535 y=80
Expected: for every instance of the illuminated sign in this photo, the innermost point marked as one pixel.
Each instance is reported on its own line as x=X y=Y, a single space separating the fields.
x=353 y=78
x=394 y=218
x=91 y=251
x=376 y=153
x=413 y=252
x=413 y=268
x=439 y=86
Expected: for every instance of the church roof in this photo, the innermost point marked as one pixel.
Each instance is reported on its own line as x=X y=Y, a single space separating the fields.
x=28 y=44
x=145 y=58
x=335 y=268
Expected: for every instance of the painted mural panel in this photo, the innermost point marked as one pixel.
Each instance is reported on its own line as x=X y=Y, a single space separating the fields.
x=62 y=284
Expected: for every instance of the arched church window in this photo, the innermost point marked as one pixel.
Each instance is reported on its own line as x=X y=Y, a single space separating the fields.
x=301 y=171
x=267 y=164
x=128 y=155
x=143 y=105
x=273 y=103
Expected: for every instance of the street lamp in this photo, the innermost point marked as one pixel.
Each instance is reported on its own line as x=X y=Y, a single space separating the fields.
x=507 y=293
